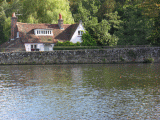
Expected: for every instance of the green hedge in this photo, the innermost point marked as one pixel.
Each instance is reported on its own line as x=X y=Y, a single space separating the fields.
x=67 y=43
x=75 y=47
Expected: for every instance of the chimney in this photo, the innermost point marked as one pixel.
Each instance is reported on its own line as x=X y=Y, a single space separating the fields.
x=13 y=26
x=60 y=22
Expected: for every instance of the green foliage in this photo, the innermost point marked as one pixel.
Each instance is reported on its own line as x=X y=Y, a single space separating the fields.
x=109 y=26
x=75 y=47
x=88 y=40
x=46 y=11
x=107 y=7
x=5 y=20
x=135 y=29
x=77 y=44
x=7 y=28
x=114 y=21
x=67 y=43
x=148 y=60
x=155 y=36
x=102 y=30
x=59 y=43
x=86 y=11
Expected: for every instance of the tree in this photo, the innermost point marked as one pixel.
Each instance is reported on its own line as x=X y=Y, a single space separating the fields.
x=99 y=30
x=149 y=7
x=86 y=11
x=135 y=29
x=6 y=10
x=155 y=36
x=46 y=11
x=88 y=40
x=108 y=6
x=114 y=21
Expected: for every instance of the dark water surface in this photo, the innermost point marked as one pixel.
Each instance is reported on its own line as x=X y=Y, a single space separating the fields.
x=85 y=91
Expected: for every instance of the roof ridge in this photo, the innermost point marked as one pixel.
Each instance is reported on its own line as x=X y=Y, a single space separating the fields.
x=45 y=23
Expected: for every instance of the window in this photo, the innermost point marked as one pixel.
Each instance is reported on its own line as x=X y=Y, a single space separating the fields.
x=80 y=32
x=43 y=32
x=17 y=34
x=34 y=48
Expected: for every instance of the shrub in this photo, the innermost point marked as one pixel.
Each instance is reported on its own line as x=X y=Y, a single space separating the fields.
x=78 y=44
x=148 y=60
x=59 y=43
x=75 y=47
x=67 y=43
x=88 y=40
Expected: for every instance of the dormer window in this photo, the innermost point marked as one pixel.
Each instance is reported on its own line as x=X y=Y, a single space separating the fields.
x=45 y=32
x=80 y=32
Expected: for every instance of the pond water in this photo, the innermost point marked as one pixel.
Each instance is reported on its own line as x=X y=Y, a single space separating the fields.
x=84 y=91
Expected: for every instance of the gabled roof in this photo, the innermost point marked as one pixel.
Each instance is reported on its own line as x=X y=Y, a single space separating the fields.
x=26 y=32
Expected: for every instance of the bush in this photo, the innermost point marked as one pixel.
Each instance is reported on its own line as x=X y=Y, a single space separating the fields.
x=88 y=40
x=148 y=60
x=68 y=43
x=78 y=44
x=59 y=43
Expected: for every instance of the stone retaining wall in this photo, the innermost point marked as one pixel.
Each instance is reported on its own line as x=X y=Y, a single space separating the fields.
x=114 y=55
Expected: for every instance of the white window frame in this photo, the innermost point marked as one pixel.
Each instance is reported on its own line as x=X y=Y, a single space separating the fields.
x=80 y=32
x=34 y=46
x=43 y=32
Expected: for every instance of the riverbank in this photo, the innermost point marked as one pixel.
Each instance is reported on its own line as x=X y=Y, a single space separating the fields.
x=87 y=56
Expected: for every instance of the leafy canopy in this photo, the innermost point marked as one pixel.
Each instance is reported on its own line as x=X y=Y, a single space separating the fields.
x=46 y=11
x=135 y=29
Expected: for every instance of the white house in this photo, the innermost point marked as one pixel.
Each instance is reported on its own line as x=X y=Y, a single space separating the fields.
x=42 y=37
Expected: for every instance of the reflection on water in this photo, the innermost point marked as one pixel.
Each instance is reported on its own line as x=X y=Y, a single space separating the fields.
x=130 y=91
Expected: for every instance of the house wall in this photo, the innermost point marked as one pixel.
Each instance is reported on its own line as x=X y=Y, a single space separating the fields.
x=77 y=38
x=40 y=46
x=116 y=55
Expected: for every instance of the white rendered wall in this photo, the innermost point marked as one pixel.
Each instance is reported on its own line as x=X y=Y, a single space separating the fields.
x=40 y=46
x=77 y=38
